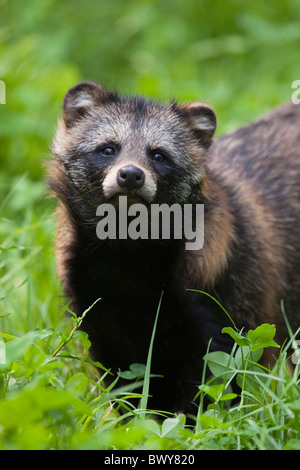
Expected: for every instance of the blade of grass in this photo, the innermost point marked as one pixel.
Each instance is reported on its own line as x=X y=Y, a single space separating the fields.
x=145 y=392
x=217 y=302
x=78 y=322
x=201 y=404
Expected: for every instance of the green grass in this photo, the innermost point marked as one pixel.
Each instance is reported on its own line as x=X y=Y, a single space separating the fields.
x=53 y=397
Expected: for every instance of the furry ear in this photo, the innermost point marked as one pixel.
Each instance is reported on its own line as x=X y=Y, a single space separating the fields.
x=80 y=99
x=201 y=120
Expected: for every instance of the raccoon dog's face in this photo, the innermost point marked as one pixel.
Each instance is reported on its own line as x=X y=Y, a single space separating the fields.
x=111 y=146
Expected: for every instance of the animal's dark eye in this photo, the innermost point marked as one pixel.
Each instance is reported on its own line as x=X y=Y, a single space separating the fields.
x=108 y=151
x=158 y=156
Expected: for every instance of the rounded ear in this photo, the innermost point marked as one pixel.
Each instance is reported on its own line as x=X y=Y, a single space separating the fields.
x=201 y=120
x=80 y=99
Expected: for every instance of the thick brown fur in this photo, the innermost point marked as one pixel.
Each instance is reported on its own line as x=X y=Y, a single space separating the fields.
x=249 y=182
x=258 y=168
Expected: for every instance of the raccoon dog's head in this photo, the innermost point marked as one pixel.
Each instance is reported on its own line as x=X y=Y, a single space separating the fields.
x=111 y=146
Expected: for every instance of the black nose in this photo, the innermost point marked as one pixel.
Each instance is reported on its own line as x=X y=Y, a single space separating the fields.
x=130 y=177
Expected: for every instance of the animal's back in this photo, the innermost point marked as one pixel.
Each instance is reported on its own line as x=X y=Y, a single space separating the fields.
x=259 y=164
x=266 y=154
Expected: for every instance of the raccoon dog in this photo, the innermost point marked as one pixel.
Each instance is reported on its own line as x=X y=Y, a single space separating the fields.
x=109 y=146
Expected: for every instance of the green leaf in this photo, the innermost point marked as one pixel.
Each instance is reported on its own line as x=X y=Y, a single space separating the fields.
x=217 y=392
x=220 y=363
x=30 y=405
x=244 y=353
x=238 y=338
x=138 y=369
x=228 y=396
x=295 y=405
x=262 y=337
x=84 y=339
x=214 y=391
x=292 y=444
x=77 y=384
x=152 y=426
x=127 y=375
x=34 y=357
x=16 y=349
x=170 y=426
x=211 y=422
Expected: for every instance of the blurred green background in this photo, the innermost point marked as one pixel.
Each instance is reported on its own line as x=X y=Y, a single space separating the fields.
x=242 y=56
